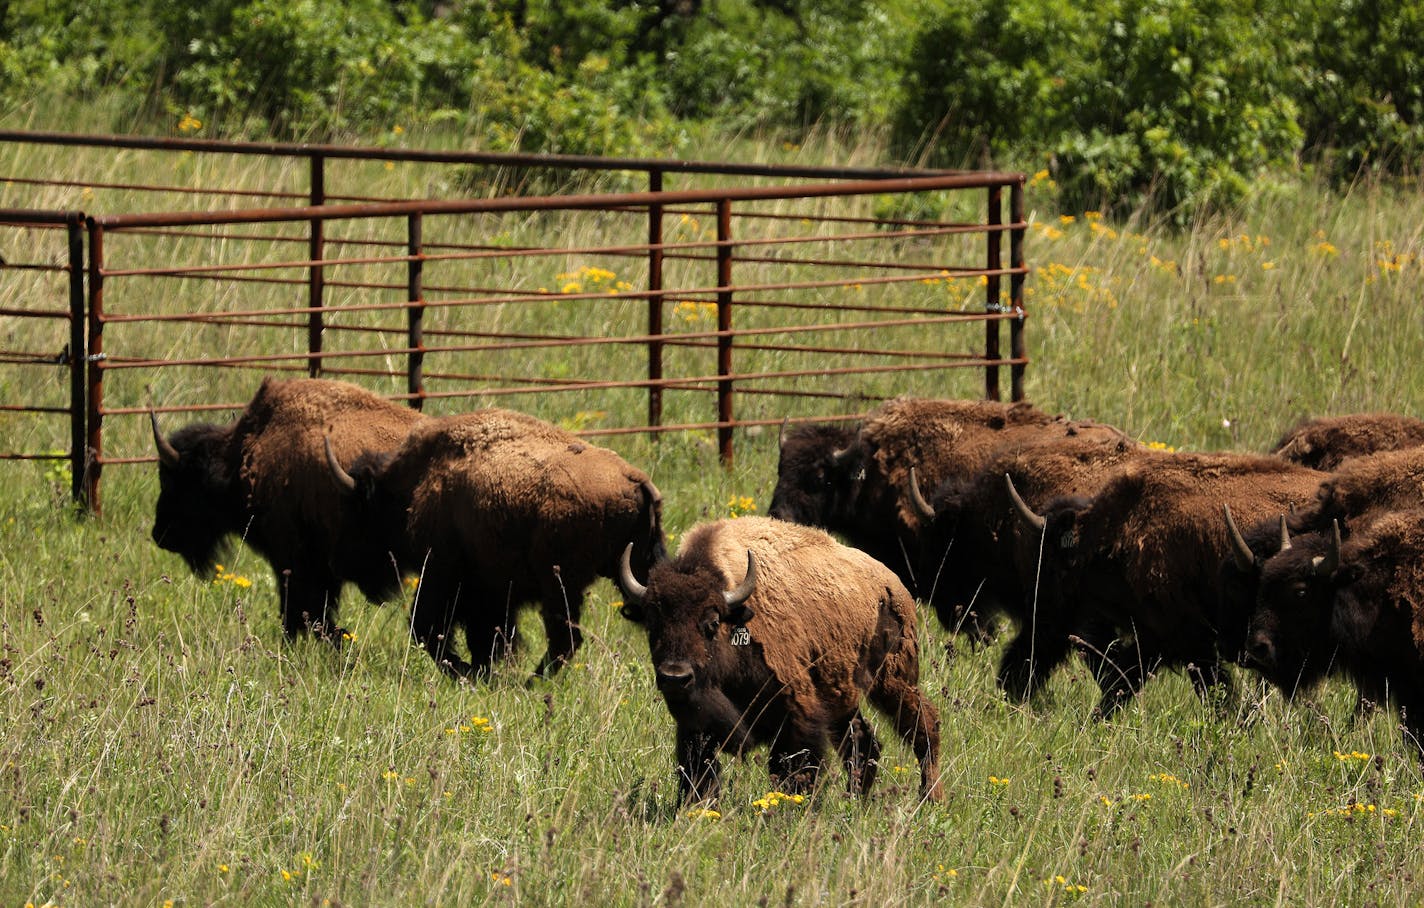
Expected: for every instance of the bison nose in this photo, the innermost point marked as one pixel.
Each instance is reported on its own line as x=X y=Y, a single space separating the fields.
x=674 y=676
x=1261 y=651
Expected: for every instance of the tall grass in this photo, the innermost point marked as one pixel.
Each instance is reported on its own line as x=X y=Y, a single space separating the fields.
x=159 y=742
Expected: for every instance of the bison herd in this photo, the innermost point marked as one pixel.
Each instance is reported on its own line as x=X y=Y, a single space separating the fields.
x=1302 y=563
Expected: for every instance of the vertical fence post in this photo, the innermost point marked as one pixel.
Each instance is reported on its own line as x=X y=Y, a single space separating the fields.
x=415 y=312
x=655 y=303
x=1017 y=348
x=724 y=331
x=315 y=277
x=93 y=358
x=77 y=358
x=991 y=294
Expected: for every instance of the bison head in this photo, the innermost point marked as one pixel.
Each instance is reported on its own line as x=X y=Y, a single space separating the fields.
x=198 y=506
x=379 y=513
x=817 y=477
x=691 y=620
x=1058 y=525
x=1288 y=638
x=1239 y=577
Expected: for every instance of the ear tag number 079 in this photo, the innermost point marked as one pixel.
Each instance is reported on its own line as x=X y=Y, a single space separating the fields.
x=741 y=636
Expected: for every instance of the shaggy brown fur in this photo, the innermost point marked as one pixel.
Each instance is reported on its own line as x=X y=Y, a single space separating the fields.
x=946 y=438
x=1326 y=442
x=1385 y=481
x=494 y=509
x=976 y=552
x=1142 y=558
x=264 y=477
x=828 y=626
x=862 y=494
x=1363 y=619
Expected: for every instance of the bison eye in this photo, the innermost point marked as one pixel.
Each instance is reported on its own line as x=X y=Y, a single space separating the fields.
x=709 y=626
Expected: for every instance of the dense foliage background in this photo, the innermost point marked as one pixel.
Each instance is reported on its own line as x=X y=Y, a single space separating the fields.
x=1177 y=104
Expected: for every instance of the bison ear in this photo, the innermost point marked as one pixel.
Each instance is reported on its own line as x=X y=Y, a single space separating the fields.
x=1061 y=528
x=739 y=615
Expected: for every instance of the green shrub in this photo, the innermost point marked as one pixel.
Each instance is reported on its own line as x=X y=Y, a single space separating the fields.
x=1171 y=103
x=785 y=63
x=1361 y=85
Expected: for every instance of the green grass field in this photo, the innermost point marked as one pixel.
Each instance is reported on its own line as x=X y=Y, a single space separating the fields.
x=160 y=744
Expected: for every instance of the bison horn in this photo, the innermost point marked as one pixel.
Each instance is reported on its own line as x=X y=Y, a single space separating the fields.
x=632 y=589
x=917 y=498
x=744 y=590
x=343 y=478
x=1285 y=535
x=781 y=434
x=1326 y=564
x=167 y=454
x=1240 y=551
x=1025 y=512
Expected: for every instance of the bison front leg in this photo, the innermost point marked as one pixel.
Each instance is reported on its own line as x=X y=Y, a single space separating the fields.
x=1211 y=679
x=488 y=641
x=698 y=766
x=796 y=752
x=307 y=600
x=432 y=624
x=859 y=751
x=1117 y=668
x=561 y=605
x=1038 y=649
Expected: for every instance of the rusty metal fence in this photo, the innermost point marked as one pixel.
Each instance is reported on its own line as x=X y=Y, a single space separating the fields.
x=44 y=263
x=702 y=310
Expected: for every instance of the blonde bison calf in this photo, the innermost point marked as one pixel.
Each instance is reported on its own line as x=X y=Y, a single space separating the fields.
x=768 y=632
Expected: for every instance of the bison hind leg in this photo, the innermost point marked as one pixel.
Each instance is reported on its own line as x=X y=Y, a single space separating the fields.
x=859 y=751
x=917 y=722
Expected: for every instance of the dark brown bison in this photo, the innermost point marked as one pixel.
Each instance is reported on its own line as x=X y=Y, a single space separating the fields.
x=1326 y=442
x=974 y=550
x=1353 y=608
x=1384 y=481
x=1358 y=490
x=767 y=632
x=264 y=478
x=853 y=481
x=1143 y=557
x=494 y=509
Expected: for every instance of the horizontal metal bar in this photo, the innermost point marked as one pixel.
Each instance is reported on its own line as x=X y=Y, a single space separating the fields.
x=373 y=153
x=561 y=203
x=22 y=408
x=36 y=216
